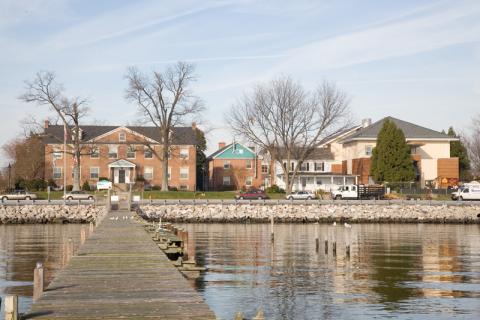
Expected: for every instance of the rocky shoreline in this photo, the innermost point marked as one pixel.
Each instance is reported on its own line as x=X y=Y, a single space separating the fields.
x=361 y=213
x=50 y=214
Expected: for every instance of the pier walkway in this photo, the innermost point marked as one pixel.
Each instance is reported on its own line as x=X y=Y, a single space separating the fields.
x=119 y=273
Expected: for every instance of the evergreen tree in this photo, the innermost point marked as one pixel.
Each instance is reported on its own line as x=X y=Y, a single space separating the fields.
x=391 y=160
x=201 y=158
x=457 y=149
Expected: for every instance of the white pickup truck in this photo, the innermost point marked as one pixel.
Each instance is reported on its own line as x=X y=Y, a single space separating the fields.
x=354 y=191
x=471 y=192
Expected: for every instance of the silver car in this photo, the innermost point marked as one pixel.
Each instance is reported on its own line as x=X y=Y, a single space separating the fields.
x=78 y=195
x=301 y=195
x=18 y=195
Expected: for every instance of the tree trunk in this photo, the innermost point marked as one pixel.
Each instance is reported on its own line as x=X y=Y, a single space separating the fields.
x=76 y=167
x=165 y=148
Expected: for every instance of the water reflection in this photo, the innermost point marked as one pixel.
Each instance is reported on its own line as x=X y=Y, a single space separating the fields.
x=402 y=271
x=21 y=246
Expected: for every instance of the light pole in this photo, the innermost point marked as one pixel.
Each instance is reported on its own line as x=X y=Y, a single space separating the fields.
x=64 y=160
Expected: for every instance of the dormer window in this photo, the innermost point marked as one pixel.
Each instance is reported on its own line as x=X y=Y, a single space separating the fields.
x=148 y=154
x=94 y=153
x=184 y=153
x=122 y=137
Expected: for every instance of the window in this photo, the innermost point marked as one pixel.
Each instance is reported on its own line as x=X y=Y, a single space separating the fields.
x=131 y=152
x=184 y=153
x=304 y=166
x=226 y=164
x=148 y=153
x=226 y=181
x=248 y=164
x=292 y=166
x=169 y=173
x=319 y=166
x=94 y=153
x=264 y=168
x=122 y=137
x=248 y=181
x=57 y=154
x=148 y=173
x=57 y=172
x=184 y=173
x=368 y=150
x=112 y=152
x=94 y=172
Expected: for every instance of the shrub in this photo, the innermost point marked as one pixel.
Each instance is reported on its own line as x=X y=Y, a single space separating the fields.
x=172 y=188
x=69 y=187
x=274 y=189
x=51 y=183
x=86 y=186
x=156 y=188
x=140 y=178
x=103 y=179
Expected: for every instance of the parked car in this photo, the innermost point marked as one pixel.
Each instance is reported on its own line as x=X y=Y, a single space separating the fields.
x=252 y=194
x=18 y=195
x=360 y=191
x=301 y=195
x=78 y=195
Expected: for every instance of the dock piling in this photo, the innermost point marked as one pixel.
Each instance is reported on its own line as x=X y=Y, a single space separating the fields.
x=272 y=234
x=326 y=246
x=11 y=308
x=38 y=281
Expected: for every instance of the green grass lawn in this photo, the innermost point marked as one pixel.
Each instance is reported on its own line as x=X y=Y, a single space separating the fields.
x=55 y=195
x=197 y=195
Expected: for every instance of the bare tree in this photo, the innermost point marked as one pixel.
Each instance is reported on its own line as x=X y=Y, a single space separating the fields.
x=473 y=146
x=164 y=100
x=289 y=122
x=44 y=90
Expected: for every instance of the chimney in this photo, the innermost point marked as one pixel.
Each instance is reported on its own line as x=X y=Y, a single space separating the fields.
x=194 y=125
x=46 y=124
x=221 y=145
x=366 y=122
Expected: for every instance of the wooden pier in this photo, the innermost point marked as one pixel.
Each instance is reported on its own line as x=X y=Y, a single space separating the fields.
x=119 y=273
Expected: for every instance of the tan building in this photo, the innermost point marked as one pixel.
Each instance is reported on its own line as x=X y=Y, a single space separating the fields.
x=124 y=155
x=430 y=152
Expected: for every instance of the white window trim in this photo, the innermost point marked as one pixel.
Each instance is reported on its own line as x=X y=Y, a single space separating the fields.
x=187 y=155
x=61 y=173
x=188 y=173
x=251 y=181
x=145 y=171
x=110 y=147
x=145 y=151
x=229 y=181
x=371 y=150
x=249 y=164
x=98 y=173
x=261 y=168
x=98 y=153
x=57 y=151
x=226 y=162
x=169 y=173
x=120 y=134
x=134 y=152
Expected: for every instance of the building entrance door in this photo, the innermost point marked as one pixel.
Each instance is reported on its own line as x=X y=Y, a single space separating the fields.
x=121 y=176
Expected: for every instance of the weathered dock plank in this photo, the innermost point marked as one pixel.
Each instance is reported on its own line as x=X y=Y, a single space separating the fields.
x=119 y=273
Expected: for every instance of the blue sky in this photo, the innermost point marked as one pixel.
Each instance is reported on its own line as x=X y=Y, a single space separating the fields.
x=415 y=60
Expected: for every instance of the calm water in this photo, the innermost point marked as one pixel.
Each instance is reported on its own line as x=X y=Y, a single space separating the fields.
x=394 y=271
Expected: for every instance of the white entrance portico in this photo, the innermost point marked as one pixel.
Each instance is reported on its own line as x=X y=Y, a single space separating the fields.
x=123 y=171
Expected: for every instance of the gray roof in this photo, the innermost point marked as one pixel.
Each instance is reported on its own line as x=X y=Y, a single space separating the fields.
x=314 y=154
x=410 y=130
x=181 y=135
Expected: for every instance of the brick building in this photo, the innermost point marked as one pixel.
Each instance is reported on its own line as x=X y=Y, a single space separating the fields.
x=123 y=154
x=237 y=166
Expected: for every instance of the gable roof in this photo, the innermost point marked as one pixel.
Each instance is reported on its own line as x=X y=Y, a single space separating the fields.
x=181 y=135
x=340 y=134
x=410 y=130
x=220 y=151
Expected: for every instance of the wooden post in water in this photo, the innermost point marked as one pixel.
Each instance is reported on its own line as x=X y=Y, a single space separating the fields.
x=91 y=227
x=272 y=233
x=69 y=249
x=82 y=236
x=11 y=308
x=334 y=248
x=238 y=316
x=317 y=242
x=38 y=281
x=259 y=315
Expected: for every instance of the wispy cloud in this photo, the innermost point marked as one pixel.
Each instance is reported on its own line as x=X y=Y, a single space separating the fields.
x=452 y=25
x=125 y=21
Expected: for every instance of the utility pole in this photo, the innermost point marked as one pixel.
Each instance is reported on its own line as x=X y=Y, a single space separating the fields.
x=64 y=161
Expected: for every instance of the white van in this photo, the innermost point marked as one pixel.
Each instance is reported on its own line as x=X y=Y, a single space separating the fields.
x=469 y=193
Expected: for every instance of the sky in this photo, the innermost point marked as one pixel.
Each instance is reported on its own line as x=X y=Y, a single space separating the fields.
x=415 y=60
